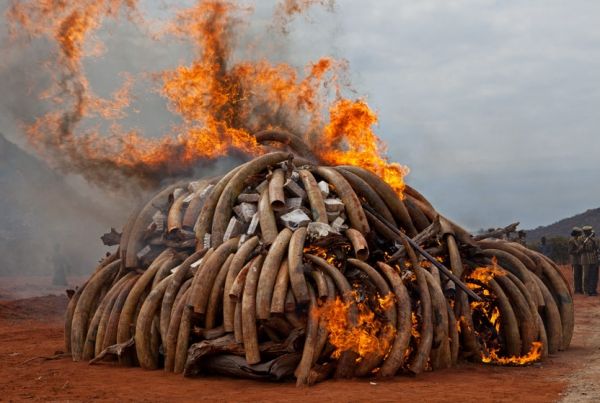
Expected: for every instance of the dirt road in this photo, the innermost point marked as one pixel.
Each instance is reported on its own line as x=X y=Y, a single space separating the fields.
x=31 y=328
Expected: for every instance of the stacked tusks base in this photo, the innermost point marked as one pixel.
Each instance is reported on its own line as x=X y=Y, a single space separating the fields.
x=285 y=269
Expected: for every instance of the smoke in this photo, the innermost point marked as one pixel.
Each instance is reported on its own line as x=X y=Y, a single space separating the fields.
x=287 y=10
x=120 y=100
x=216 y=102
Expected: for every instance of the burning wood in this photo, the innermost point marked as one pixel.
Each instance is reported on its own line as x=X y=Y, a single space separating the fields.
x=306 y=271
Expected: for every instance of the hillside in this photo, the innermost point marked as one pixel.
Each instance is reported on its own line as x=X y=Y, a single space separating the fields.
x=564 y=226
x=40 y=212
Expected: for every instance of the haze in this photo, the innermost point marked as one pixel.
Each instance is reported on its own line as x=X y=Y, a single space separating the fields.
x=493 y=105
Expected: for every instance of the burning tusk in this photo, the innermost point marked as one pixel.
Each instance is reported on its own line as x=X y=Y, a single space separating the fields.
x=216 y=294
x=354 y=208
x=175 y=215
x=93 y=332
x=389 y=196
x=205 y=219
x=268 y=225
x=440 y=351
x=135 y=239
x=249 y=331
x=237 y=287
x=287 y=138
x=208 y=273
x=173 y=289
x=147 y=356
x=170 y=343
x=296 y=266
x=81 y=314
x=268 y=273
x=239 y=259
x=280 y=289
x=359 y=243
x=395 y=358
x=315 y=198
x=362 y=188
x=276 y=195
x=303 y=370
x=235 y=186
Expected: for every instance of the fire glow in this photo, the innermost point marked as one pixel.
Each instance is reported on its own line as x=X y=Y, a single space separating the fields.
x=370 y=335
x=488 y=308
x=220 y=102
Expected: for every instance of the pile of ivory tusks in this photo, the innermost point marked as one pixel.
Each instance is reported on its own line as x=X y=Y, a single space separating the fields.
x=249 y=299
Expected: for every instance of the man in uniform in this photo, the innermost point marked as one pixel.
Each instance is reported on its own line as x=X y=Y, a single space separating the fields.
x=575 y=258
x=589 y=260
x=544 y=247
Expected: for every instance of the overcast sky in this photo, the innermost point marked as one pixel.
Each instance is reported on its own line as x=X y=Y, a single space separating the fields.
x=494 y=105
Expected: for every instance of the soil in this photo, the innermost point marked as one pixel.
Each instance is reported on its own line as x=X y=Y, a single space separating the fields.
x=31 y=333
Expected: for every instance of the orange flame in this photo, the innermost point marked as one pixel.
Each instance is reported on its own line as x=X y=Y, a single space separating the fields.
x=485 y=274
x=368 y=335
x=492 y=315
x=491 y=356
x=349 y=139
x=221 y=103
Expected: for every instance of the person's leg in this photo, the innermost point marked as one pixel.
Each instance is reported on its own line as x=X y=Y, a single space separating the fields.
x=593 y=279
x=578 y=278
x=586 y=278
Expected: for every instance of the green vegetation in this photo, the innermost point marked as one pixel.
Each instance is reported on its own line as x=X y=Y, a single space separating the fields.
x=557 y=249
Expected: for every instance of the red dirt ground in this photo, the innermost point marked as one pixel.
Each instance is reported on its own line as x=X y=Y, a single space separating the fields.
x=32 y=327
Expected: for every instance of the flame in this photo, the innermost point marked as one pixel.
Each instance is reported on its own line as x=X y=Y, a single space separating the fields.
x=323 y=253
x=489 y=324
x=369 y=335
x=349 y=139
x=485 y=274
x=491 y=356
x=221 y=102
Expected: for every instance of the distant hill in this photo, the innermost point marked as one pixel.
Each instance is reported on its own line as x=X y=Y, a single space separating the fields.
x=39 y=212
x=564 y=226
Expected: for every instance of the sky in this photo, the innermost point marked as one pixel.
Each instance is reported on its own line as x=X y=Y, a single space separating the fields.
x=493 y=105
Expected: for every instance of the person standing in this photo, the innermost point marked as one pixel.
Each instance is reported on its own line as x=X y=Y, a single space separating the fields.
x=544 y=247
x=575 y=258
x=589 y=260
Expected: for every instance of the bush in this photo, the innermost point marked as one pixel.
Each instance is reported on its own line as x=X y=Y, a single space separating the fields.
x=557 y=249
